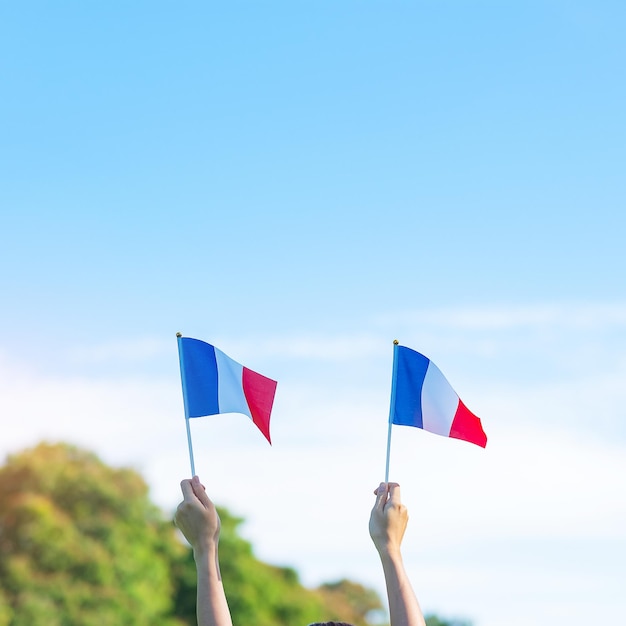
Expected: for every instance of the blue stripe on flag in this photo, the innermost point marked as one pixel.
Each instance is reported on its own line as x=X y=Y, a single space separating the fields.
x=200 y=371
x=410 y=374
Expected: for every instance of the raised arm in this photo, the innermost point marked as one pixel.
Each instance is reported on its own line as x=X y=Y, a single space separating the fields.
x=198 y=520
x=388 y=522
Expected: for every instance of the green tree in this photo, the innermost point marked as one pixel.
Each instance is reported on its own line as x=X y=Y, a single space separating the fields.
x=348 y=601
x=80 y=543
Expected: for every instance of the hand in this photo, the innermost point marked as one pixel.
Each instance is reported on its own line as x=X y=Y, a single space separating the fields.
x=196 y=516
x=388 y=519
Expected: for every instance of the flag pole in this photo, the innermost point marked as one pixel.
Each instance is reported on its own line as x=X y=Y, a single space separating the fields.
x=392 y=405
x=179 y=338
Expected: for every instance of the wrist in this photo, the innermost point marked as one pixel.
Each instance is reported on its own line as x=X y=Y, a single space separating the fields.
x=204 y=549
x=389 y=552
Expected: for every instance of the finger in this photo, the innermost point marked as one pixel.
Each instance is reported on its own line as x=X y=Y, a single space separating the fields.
x=381 y=495
x=394 y=493
x=200 y=491
x=196 y=480
x=382 y=485
x=187 y=489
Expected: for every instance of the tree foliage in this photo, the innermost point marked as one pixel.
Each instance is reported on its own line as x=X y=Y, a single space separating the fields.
x=350 y=602
x=81 y=544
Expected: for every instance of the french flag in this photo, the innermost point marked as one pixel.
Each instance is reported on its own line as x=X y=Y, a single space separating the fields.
x=214 y=383
x=422 y=397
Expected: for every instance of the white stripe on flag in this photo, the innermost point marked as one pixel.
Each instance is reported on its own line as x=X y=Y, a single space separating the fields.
x=229 y=385
x=439 y=402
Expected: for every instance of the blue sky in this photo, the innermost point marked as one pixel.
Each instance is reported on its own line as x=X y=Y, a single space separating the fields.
x=301 y=183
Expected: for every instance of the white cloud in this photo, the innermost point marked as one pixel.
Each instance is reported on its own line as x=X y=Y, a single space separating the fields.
x=574 y=316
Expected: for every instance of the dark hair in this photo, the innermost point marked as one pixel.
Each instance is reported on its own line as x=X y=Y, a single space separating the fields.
x=330 y=624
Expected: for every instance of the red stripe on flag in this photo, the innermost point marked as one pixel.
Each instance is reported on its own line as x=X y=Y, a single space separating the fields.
x=259 y=392
x=467 y=426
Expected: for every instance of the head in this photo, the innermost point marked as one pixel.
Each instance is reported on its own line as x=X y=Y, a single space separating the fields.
x=330 y=624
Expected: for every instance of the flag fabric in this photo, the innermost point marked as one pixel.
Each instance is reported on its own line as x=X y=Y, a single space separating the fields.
x=423 y=398
x=214 y=383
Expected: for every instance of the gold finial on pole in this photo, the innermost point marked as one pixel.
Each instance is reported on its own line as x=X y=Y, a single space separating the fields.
x=395 y=342
x=179 y=334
